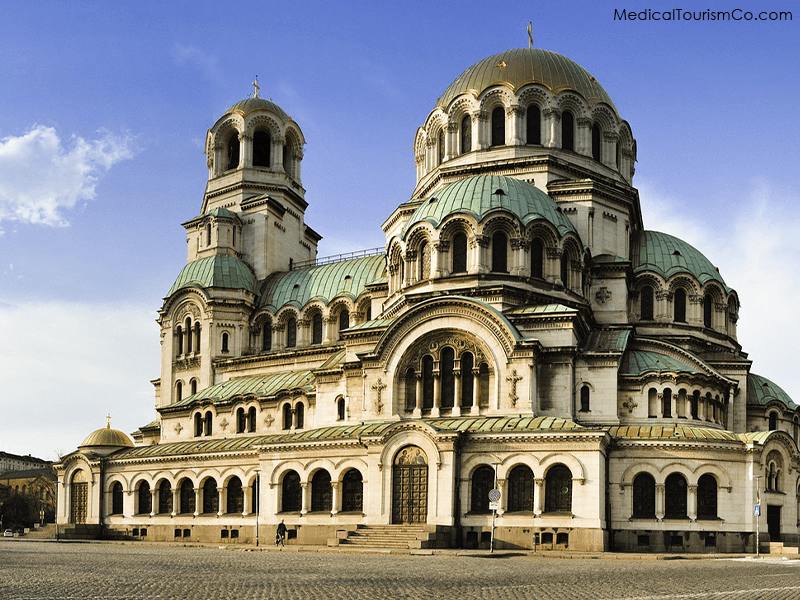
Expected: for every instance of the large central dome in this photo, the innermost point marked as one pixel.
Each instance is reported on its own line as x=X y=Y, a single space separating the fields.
x=523 y=66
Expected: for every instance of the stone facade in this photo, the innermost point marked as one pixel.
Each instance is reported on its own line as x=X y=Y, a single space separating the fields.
x=520 y=330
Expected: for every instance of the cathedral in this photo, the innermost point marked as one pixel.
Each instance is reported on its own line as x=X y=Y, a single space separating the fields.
x=520 y=331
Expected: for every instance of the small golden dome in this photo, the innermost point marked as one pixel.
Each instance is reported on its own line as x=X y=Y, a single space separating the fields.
x=107 y=437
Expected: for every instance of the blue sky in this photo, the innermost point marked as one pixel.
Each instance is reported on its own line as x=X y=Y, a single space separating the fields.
x=127 y=90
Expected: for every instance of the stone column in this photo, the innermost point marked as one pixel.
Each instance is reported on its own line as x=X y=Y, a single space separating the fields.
x=538 y=496
x=450 y=141
x=514 y=132
x=298 y=163
x=456 y=410
x=277 y=154
x=476 y=246
x=439 y=256
x=479 y=120
x=661 y=307
x=660 y=501
x=198 y=501
x=329 y=327
x=304 y=492
x=692 y=503
x=610 y=141
x=418 y=399
x=552 y=117
x=660 y=405
x=583 y=136
x=303 y=332
x=475 y=410
x=221 y=501
x=128 y=509
x=246 y=150
x=552 y=268
x=694 y=310
x=334 y=497
x=153 y=501
x=437 y=394
x=246 y=508
x=409 y=274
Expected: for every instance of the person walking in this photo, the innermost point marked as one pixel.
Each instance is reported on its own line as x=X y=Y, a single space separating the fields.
x=280 y=534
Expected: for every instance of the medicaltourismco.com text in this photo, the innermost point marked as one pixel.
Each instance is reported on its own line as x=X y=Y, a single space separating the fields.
x=680 y=14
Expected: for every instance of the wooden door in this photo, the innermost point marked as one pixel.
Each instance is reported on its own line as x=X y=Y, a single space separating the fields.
x=410 y=486
x=78 y=499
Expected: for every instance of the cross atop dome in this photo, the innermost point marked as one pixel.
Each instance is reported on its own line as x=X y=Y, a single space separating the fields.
x=256 y=88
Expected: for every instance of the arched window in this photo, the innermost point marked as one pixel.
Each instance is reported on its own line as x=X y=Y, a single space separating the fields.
x=210 y=497
x=233 y=151
x=773 y=421
x=287 y=416
x=187 y=500
x=207 y=429
x=198 y=424
x=225 y=341
x=447 y=377
x=774 y=469
x=482 y=483
x=235 y=496
x=520 y=489
x=145 y=499
x=164 y=498
x=291 y=492
x=707 y=497
x=427 y=382
x=197 y=336
x=316 y=328
x=644 y=496
x=533 y=125
x=116 y=498
x=467 y=379
x=178 y=391
x=459 y=253
x=597 y=142
x=647 y=303
x=299 y=415
x=675 y=497
x=585 y=395
x=424 y=258
x=440 y=147
x=262 y=148
x=208 y=234
x=565 y=269
x=466 y=134
x=483 y=385
x=679 y=306
x=352 y=491
x=410 y=388
x=344 y=320
x=266 y=336
x=537 y=258
x=498 y=126
x=178 y=340
x=708 y=305
x=567 y=130
x=666 y=403
x=291 y=332
x=558 y=489
x=499 y=252
x=251 y=419
x=321 y=498
x=341 y=413
x=240 y=420
x=694 y=401
x=193 y=386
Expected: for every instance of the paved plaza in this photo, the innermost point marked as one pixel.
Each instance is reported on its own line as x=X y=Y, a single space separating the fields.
x=89 y=571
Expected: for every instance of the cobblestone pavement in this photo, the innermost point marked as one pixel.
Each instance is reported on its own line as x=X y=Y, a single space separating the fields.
x=148 y=571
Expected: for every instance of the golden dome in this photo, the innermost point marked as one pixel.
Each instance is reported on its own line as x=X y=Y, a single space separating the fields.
x=107 y=437
x=523 y=66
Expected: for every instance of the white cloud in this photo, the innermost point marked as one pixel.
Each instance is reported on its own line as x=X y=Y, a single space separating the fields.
x=41 y=176
x=193 y=56
x=755 y=244
x=66 y=365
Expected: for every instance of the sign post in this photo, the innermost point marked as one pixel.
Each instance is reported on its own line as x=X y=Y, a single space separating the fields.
x=757 y=513
x=494 y=504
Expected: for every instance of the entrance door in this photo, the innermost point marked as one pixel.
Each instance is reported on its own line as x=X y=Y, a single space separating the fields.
x=77 y=509
x=410 y=486
x=774 y=523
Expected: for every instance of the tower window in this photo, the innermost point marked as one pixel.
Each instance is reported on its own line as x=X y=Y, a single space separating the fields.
x=208 y=234
x=679 y=306
x=459 y=253
x=647 y=303
x=708 y=305
x=233 y=151
x=340 y=409
x=344 y=320
x=262 y=148
x=251 y=419
x=316 y=328
x=291 y=332
x=225 y=342
x=585 y=396
x=537 y=258
x=498 y=126
x=533 y=125
x=500 y=252
x=567 y=130
x=466 y=134
x=266 y=337
x=178 y=391
x=597 y=142
x=440 y=146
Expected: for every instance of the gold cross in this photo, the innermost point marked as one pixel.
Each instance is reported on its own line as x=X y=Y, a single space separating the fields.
x=379 y=386
x=513 y=379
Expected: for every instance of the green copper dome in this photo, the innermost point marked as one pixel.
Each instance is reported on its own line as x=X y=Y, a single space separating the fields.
x=482 y=194
x=761 y=391
x=219 y=271
x=523 y=66
x=667 y=255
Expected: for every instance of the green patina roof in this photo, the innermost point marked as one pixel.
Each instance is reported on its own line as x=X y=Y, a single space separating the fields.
x=636 y=362
x=761 y=391
x=373 y=324
x=223 y=213
x=541 y=309
x=219 y=271
x=607 y=340
x=667 y=255
x=673 y=432
x=262 y=386
x=523 y=66
x=324 y=282
x=353 y=432
x=476 y=196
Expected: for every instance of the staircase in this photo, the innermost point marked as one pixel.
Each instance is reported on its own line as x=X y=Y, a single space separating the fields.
x=48 y=532
x=388 y=536
x=780 y=549
x=80 y=532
